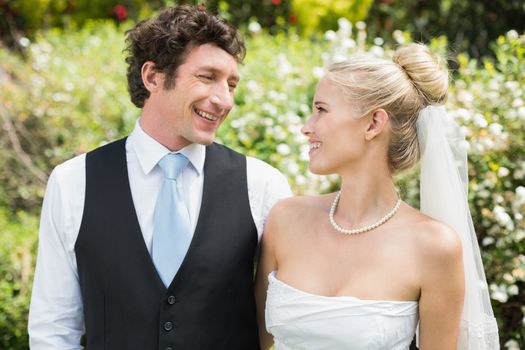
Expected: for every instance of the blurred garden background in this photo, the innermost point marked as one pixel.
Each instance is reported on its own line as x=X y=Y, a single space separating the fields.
x=63 y=92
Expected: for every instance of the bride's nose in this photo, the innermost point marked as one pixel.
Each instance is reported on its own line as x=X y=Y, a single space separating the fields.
x=307 y=129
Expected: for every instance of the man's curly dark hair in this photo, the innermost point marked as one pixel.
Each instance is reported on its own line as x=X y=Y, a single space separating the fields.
x=167 y=39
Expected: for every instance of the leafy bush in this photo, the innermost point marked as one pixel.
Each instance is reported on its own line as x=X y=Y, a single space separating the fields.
x=64 y=99
x=469 y=25
x=321 y=15
x=17 y=254
x=70 y=96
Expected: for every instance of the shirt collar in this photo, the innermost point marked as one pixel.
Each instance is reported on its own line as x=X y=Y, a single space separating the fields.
x=149 y=151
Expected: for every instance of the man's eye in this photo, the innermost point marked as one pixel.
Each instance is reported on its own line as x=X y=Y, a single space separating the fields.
x=320 y=109
x=206 y=77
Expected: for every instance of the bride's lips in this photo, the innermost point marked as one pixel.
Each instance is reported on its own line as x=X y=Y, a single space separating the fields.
x=314 y=146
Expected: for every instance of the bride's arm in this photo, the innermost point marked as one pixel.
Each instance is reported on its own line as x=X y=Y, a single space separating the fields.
x=267 y=263
x=442 y=289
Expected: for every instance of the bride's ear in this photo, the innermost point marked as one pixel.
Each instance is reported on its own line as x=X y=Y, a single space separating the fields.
x=378 y=123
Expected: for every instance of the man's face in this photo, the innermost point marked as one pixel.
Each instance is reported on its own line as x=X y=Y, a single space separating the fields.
x=201 y=98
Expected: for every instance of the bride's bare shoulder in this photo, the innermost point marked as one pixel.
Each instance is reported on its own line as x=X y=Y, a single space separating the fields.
x=434 y=238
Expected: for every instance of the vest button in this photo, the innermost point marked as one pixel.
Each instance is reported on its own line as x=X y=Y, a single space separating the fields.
x=168 y=326
x=169 y=348
x=171 y=300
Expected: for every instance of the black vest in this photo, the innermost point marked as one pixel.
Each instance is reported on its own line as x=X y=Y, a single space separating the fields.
x=210 y=302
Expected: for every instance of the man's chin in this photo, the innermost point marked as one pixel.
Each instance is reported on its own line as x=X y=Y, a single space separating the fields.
x=205 y=141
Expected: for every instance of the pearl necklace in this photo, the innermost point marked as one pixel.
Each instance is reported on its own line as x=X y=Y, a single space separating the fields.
x=361 y=229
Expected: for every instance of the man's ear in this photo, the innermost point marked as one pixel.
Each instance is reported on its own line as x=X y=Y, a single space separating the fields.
x=378 y=123
x=151 y=78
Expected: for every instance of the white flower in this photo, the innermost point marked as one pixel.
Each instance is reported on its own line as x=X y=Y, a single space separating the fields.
x=520 y=195
x=305 y=150
x=292 y=168
x=499 y=293
x=463 y=114
x=267 y=121
x=465 y=96
x=284 y=65
x=512 y=85
x=330 y=35
x=502 y=172
x=398 y=36
x=24 y=42
x=95 y=40
x=378 y=41
x=513 y=290
x=521 y=112
x=495 y=129
x=509 y=278
x=480 y=120
x=360 y=25
x=494 y=84
x=300 y=180
x=377 y=51
x=269 y=108
x=503 y=218
x=512 y=345
x=487 y=241
x=348 y=43
x=318 y=72
x=283 y=149
x=517 y=102
x=345 y=26
x=512 y=34
x=254 y=27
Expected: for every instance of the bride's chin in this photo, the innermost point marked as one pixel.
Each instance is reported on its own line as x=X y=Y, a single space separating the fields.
x=318 y=170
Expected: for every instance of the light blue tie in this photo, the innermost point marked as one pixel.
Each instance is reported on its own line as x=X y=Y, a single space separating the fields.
x=172 y=229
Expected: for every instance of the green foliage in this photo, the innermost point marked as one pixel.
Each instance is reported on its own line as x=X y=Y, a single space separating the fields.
x=65 y=98
x=272 y=15
x=33 y=11
x=69 y=95
x=469 y=25
x=17 y=252
x=322 y=15
x=24 y=18
x=489 y=102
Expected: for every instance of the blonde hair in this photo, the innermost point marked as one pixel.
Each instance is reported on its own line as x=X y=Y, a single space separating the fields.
x=414 y=79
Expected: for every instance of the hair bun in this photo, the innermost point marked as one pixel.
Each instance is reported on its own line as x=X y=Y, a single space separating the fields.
x=426 y=70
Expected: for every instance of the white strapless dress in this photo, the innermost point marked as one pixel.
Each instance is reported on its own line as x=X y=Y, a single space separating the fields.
x=303 y=321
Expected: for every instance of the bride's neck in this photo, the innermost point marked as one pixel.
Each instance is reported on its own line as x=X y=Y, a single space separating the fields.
x=364 y=199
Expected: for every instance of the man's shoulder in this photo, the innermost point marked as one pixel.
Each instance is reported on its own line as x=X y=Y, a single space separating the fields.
x=77 y=164
x=254 y=165
x=70 y=168
x=264 y=177
x=111 y=146
x=262 y=169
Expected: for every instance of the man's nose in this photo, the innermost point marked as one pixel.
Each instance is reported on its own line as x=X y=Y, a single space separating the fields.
x=222 y=97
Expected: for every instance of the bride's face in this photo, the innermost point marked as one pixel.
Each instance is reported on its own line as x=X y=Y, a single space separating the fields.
x=335 y=130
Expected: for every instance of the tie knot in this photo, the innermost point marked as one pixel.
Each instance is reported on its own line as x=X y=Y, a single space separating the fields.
x=172 y=164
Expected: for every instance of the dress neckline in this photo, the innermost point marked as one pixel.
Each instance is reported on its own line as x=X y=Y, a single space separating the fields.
x=272 y=277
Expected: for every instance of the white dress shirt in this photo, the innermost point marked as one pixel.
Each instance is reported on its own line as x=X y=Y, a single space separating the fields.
x=56 y=320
